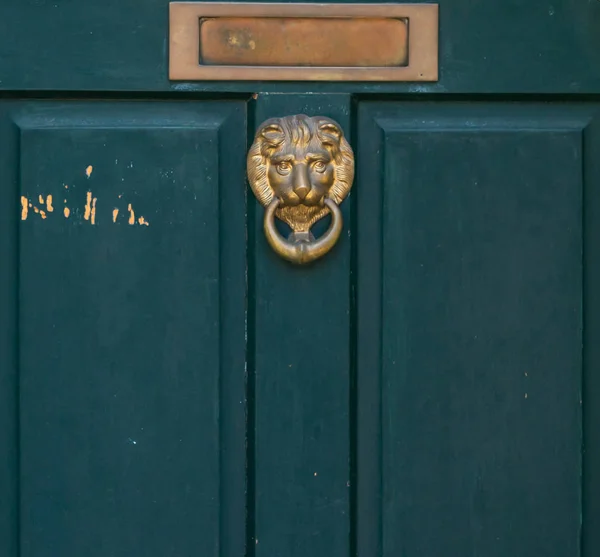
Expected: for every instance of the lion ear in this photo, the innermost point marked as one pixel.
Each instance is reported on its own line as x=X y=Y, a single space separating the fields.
x=272 y=133
x=330 y=132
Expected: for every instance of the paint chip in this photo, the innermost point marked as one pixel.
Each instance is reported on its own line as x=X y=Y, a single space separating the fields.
x=88 y=206
x=49 y=204
x=89 y=170
x=115 y=214
x=142 y=220
x=94 y=210
x=24 y=207
x=66 y=212
x=131 y=214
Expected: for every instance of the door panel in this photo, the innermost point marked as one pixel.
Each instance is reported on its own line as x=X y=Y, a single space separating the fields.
x=131 y=324
x=300 y=327
x=470 y=329
x=493 y=47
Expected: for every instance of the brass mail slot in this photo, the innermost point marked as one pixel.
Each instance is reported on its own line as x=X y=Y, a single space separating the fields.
x=296 y=42
x=314 y=42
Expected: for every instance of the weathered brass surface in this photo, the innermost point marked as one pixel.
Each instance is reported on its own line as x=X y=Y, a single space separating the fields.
x=278 y=41
x=245 y=41
x=301 y=168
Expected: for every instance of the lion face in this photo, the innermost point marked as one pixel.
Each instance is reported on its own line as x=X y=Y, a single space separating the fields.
x=301 y=161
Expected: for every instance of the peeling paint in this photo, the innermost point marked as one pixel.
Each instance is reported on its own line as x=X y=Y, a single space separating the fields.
x=46 y=207
x=88 y=206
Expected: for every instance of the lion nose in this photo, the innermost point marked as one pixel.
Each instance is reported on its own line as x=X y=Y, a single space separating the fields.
x=302 y=191
x=301 y=182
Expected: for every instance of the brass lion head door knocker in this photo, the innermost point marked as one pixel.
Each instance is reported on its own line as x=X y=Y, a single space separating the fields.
x=301 y=168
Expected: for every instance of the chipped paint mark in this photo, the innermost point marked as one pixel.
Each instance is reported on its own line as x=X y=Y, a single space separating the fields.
x=66 y=187
x=88 y=206
x=89 y=170
x=45 y=207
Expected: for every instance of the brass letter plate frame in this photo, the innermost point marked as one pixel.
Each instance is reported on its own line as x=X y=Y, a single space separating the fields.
x=303 y=42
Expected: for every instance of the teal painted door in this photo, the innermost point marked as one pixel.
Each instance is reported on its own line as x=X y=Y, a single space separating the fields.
x=170 y=387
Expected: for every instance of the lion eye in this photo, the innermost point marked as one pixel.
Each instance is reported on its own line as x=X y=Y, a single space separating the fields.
x=284 y=166
x=319 y=166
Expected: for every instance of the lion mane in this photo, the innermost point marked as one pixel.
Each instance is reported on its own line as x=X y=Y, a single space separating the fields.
x=277 y=133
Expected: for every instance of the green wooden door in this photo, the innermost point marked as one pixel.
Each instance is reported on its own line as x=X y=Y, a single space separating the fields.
x=169 y=386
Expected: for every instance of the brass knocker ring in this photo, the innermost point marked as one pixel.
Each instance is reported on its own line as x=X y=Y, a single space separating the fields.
x=301 y=169
x=303 y=248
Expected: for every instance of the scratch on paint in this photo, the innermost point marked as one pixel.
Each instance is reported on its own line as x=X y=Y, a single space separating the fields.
x=41 y=200
x=94 y=210
x=49 y=203
x=131 y=214
x=115 y=214
x=89 y=170
x=24 y=207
